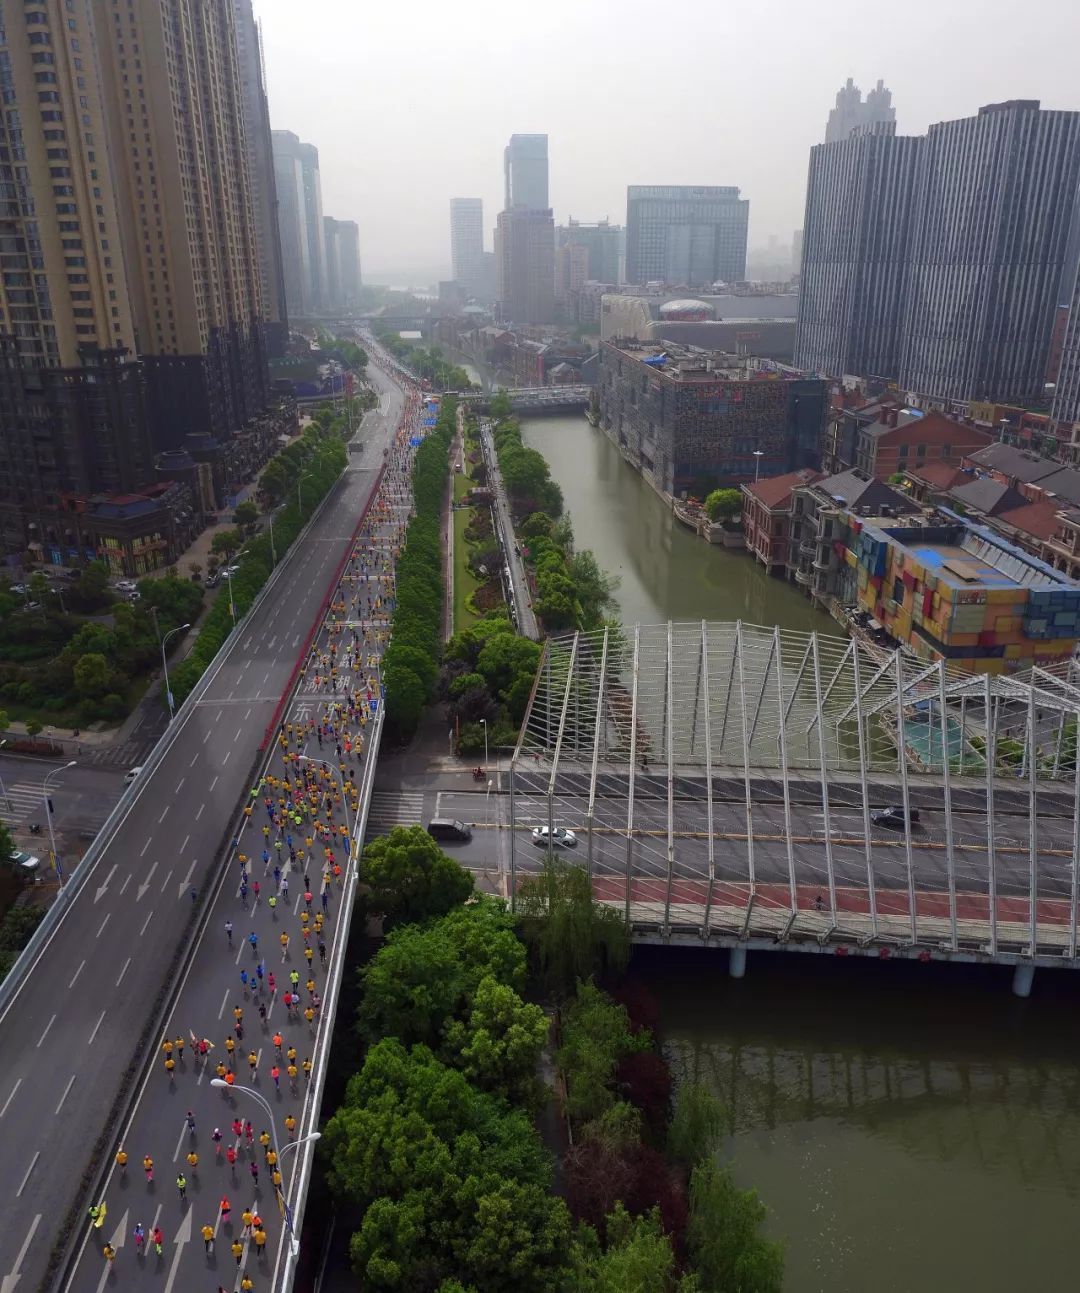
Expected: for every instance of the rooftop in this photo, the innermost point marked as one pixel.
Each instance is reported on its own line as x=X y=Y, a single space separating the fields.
x=1040 y=520
x=857 y=492
x=775 y=491
x=969 y=556
x=987 y=495
x=680 y=362
x=1020 y=464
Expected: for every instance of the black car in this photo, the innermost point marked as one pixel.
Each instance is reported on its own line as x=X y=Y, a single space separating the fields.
x=894 y=817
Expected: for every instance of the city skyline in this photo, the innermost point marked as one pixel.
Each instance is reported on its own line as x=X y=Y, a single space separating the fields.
x=753 y=127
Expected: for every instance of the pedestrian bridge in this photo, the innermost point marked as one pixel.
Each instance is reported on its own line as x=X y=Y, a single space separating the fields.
x=724 y=780
x=536 y=399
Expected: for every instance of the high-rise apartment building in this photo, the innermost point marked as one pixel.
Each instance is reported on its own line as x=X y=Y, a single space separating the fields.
x=342 y=242
x=72 y=419
x=853 y=112
x=300 y=219
x=936 y=260
x=525 y=261
x=260 y=158
x=992 y=205
x=467 y=243
x=685 y=235
x=854 y=248
x=179 y=161
x=525 y=172
x=571 y=271
x=604 y=242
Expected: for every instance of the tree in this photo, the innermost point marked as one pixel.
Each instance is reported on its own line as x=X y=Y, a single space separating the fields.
x=596 y=1036
x=33 y=728
x=727 y=1248
x=93 y=584
x=570 y=936
x=4 y=720
x=499 y=405
x=91 y=675
x=247 y=513
x=638 y=1256
x=226 y=542
x=410 y=878
x=594 y=587
x=405 y=695
x=697 y=1124
x=723 y=504
x=498 y=1045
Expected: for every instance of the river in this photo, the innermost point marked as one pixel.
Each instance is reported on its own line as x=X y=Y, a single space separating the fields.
x=664 y=571
x=909 y=1127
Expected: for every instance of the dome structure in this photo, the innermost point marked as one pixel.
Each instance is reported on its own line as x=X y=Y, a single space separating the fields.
x=689 y=311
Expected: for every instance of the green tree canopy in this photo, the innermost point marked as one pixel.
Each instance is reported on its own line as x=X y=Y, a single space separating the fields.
x=727 y=1248
x=410 y=878
x=92 y=675
x=498 y=1045
x=638 y=1256
x=722 y=504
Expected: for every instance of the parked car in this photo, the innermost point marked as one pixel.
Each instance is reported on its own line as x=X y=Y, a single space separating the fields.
x=559 y=838
x=25 y=863
x=893 y=817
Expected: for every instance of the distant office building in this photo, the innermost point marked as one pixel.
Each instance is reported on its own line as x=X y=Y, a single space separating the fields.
x=688 y=419
x=525 y=172
x=300 y=219
x=856 y=232
x=341 y=239
x=260 y=159
x=571 y=271
x=680 y=234
x=525 y=261
x=991 y=209
x=852 y=112
x=605 y=243
x=467 y=244
x=759 y=325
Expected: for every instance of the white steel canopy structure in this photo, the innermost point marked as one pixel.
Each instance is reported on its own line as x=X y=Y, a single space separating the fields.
x=740 y=782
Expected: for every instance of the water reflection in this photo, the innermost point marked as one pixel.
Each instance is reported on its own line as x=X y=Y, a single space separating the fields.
x=908 y=1126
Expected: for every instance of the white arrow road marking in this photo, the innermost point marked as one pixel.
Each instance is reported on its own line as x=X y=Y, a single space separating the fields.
x=185 y=884
x=117 y=1241
x=145 y=884
x=7 y=1284
x=183 y=1236
x=102 y=888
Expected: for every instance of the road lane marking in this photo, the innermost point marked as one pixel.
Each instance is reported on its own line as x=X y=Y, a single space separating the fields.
x=164 y=814
x=248 y=714
x=71 y=1083
x=176 y=1153
x=165 y=882
x=206 y=738
x=200 y=812
x=96 y=1027
x=213 y=784
x=10 y=1097
x=239 y=732
x=184 y=846
x=76 y=975
x=224 y=1003
x=26 y=1178
x=226 y=758
x=180 y=784
x=103 y=924
x=147 y=921
x=11 y=1280
x=124 y=970
x=127 y=881
x=194 y=760
x=142 y=852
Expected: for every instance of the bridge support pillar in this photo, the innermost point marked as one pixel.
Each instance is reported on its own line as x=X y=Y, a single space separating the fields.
x=1023 y=978
x=737 y=962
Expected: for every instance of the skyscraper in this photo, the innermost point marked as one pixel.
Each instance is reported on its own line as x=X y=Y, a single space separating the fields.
x=854 y=247
x=72 y=419
x=525 y=172
x=852 y=112
x=467 y=243
x=992 y=203
x=300 y=219
x=604 y=242
x=525 y=235
x=681 y=234
x=342 y=242
x=186 y=213
x=260 y=159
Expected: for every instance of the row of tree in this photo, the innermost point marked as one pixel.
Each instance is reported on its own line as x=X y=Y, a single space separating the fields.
x=410 y=667
x=429 y=364
x=309 y=466
x=486 y=679
x=525 y=472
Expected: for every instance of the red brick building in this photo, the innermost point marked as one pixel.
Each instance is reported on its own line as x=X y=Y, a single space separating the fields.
x=767 y=516
x=903 y=439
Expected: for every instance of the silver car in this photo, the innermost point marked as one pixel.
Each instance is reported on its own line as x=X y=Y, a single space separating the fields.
x=557 y=838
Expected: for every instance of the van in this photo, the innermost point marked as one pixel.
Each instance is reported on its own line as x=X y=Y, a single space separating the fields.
x=448 y=828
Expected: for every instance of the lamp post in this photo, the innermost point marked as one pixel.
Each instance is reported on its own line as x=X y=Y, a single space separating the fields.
x=294 y=1243
x=483 y=724
x=165 y=666
x=305 y=476
x=758 y=455
x=48 y=817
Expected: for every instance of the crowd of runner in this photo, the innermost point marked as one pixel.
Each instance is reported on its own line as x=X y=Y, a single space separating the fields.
x=289 y=862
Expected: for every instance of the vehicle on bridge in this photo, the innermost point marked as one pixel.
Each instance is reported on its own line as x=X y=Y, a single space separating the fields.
x=558 y=838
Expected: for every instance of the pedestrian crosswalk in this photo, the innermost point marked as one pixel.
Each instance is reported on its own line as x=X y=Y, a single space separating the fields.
x=23 y=800
x=390 y=808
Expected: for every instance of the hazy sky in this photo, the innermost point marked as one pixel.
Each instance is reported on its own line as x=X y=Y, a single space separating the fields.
x=411 y=103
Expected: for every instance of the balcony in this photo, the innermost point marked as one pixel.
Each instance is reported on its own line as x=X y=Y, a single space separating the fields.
x=805 y=578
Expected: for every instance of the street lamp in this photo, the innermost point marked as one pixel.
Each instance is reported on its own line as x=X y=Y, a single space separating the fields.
x=483 y=724
x=305 y=476
x=48 y=817
x=758 y=455
x=259 y=1098
x=165 y=666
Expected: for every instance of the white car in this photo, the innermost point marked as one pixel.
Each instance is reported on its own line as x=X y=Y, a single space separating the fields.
x=25 y=863
x=559 y=838
x=131 y=774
